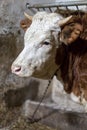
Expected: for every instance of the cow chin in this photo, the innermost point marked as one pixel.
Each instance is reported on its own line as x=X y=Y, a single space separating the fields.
x=25 y=74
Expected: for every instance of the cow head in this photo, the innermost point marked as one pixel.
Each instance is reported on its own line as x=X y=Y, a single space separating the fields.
x=40 y=44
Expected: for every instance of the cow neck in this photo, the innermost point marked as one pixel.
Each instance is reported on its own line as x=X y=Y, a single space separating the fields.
x=61 y=55
x=32 y=119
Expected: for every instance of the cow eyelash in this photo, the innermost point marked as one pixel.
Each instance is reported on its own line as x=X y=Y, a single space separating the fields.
x=46 y=43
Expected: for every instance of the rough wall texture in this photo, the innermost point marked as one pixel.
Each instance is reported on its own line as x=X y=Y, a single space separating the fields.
x=11 y=43
x=14 y=91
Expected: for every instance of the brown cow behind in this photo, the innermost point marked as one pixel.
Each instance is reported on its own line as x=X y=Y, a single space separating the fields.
x=74 y=65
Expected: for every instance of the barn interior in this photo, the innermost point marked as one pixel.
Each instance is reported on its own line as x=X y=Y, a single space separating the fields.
x=26 y=103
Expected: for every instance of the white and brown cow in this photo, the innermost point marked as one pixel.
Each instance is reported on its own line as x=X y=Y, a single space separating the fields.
x=43 y=53
x=40 y=45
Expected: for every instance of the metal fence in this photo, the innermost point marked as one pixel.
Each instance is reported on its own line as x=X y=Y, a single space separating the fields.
x=66 y=5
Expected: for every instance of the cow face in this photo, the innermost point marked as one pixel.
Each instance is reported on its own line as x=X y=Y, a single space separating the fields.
x=40 y=43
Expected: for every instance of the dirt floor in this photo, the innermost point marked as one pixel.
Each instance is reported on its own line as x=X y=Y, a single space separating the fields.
x=11 y=119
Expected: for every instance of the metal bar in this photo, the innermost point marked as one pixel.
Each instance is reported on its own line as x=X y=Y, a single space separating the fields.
x=44 y=9
x=50 y=9
x=58 y=8
x=61 y=4
x=78 y=10
x=67 y=8
x=38 y=9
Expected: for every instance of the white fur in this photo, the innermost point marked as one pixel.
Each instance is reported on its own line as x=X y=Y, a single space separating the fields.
x=57 y=89
x=75 y=98
x=80 y=100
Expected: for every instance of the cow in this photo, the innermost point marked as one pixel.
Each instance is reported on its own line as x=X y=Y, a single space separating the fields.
x=47 y=47
x=40 y=45
x=74 y=34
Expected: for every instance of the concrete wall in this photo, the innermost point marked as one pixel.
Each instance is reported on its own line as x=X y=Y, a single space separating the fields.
x=11 y=43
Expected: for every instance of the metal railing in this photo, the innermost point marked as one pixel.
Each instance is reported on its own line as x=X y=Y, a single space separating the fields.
x=51 y=7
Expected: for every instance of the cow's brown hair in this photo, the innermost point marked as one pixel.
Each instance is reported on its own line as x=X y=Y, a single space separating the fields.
x=74 y=65
x=74 y=28
x=84 y=23
x=71 y=30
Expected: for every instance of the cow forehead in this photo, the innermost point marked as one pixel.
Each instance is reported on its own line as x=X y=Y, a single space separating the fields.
x=46 y=18
x=42 y=24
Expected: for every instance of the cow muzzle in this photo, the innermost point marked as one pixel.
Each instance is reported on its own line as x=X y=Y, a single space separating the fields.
x=16 y=69
x=22 y=71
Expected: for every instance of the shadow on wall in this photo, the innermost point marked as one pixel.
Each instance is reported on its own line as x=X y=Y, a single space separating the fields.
x=7 y=53
x=17 y=90
x=19 y=96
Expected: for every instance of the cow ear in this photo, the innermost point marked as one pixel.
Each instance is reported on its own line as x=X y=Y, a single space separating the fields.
x=24 y=24
x=70 y=33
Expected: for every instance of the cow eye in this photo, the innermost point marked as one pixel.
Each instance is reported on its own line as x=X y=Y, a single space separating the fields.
x=46 y=43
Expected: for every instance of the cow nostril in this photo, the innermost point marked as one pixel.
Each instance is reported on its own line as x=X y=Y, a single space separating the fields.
x=17 y=69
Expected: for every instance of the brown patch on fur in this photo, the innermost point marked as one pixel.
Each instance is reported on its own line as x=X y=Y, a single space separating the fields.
x=74 y=67
x=84 y=23
x=24 y=24
x=74 y=63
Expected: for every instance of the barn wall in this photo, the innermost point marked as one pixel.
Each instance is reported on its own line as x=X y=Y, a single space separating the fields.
x=11 y=43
